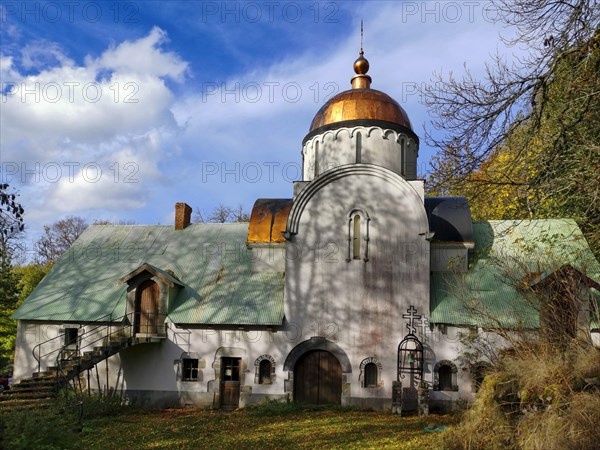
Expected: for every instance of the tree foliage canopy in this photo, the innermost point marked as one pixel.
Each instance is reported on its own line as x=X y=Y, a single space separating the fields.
x=11 y=225
x=525 y=141
x=58 y=237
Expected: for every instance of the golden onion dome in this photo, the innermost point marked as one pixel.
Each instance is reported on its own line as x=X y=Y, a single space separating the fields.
x=361 y=65
x=360 y=103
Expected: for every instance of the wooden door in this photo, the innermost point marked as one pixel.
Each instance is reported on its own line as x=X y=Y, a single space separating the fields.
x=318 y=378
x=230 y=383
x=146 y=308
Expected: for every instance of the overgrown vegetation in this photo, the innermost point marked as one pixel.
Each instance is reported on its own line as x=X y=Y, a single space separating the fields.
x=540 y=397
x=527 y=134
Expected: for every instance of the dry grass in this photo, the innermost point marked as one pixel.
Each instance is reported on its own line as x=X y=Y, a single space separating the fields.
x=543 y=398
x=484 y=425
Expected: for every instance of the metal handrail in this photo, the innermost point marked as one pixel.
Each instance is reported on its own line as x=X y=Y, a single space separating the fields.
x=39 y=356
x=130 y=323
x=78 y=349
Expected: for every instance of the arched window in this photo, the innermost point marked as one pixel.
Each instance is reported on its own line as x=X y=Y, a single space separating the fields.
x=356 y=237
x=445 y=376
x=478 y=371
x=371 y=375
x=264 y=372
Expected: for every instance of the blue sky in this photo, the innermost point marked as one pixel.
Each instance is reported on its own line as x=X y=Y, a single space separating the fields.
x=118 y=110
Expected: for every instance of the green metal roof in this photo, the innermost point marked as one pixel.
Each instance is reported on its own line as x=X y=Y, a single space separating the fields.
x=218 y=287
x=505 y=253
x=211 y=262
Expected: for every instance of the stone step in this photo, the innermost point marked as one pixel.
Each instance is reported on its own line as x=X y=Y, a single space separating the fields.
x=17 y=388
x=8 y=396
x=43 y=374
x=34 y=381
x=20 y=404
x=72 y=367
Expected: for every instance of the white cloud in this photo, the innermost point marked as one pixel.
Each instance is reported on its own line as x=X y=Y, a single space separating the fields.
x=42 y=54
x=77 y=138
x=260 y=119
x=227 y=123
x=142 y=56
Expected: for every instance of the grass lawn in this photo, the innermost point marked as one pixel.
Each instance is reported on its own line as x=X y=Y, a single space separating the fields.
x=188 y=428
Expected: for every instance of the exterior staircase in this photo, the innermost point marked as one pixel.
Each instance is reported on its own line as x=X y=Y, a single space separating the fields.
x=30 y=393
x=42 y=387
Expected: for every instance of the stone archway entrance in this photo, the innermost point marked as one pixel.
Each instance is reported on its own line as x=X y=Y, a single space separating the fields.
x=317 y=369
x=318 y=378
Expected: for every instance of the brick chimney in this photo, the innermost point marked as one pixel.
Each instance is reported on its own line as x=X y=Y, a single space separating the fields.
x=183 y=215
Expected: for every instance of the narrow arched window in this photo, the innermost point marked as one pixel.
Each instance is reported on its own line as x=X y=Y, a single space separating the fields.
x=264 y=372
x=356 y=239
x=371 y=375
x=445 y=374
x=358 y=235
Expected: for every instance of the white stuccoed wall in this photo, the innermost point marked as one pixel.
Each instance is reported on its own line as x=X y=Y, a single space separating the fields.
x=358 y=304
x=383 y=147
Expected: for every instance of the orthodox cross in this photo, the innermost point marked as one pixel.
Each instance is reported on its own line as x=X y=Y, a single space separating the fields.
x=428 y=334
x=411 y=316
x=361 y=36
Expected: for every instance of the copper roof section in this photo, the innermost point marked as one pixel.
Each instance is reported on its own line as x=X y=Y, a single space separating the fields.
x=268 y=220
x=361 y=104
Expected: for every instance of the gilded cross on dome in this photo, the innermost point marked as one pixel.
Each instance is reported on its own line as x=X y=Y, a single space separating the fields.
x=412 y=316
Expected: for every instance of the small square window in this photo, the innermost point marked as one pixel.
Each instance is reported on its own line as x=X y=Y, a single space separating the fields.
x=190 y=369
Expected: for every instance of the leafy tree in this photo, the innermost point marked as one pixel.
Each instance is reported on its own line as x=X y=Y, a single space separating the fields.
x=9 y=296
x=15 y=286
x=11 y=225
x=58 y=237
x=528 y=137
x=11 y=220
x=29 y=277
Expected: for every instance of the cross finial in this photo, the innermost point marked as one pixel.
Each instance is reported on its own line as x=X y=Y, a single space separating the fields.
x=361 y=38
x=412 y=316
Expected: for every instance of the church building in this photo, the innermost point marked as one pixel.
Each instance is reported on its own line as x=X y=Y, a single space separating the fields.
x=355 y=291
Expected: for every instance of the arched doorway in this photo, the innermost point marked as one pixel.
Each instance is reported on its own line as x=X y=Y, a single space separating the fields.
x=318 y=378
x=146 y=308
